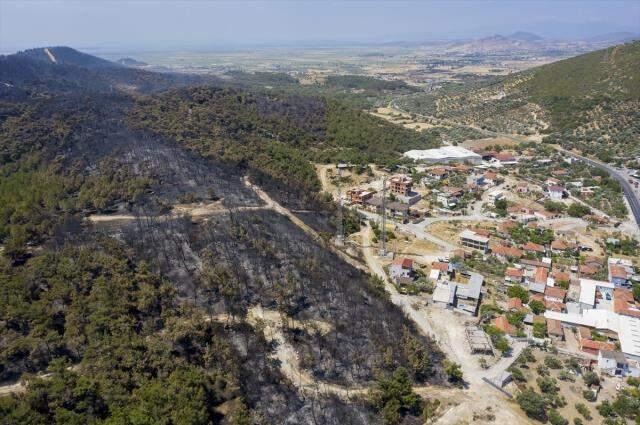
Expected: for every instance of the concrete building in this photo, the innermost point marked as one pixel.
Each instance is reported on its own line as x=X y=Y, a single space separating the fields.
x=462 y=297
x=401 y=185
x=613 y=363
x=401 y=267
x=449 y=196
x=556 y=192
x=472 y=240
x=588 y=289
x=359 y=196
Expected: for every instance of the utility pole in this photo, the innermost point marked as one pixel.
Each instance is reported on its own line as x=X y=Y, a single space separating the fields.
x=339 y=225
x=383 y=250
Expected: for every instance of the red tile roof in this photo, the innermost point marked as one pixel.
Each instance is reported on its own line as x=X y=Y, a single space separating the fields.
x=617 y=271
x=490 y=175
x=514 y=304
x=530 y=246
x=507 y=251
x=555 y=292
x=596 y=345
x=554 y=327
x=405 y=263
x=559 y=245
x=505 y=156
x=554 y=306
x=535 y=263
x=438 y=171
x=481 y=232
x=563 y=276
x=588 y=270
x=506 y=225
x=541 y=275
x=624 y=303
x=536 y=297
x=514 y=272
x=443 y=267
x=503 y=324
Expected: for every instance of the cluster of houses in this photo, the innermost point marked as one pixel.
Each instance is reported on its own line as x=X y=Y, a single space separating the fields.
x=480 y=239
x=456 y=288
x=496 y=159
x=604 y=314
x=401 y=187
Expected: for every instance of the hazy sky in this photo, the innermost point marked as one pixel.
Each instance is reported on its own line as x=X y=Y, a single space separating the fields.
x=157 y=24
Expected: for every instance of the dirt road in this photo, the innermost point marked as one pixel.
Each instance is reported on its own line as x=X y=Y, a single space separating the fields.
x=274 y=205
x=196 y=210
x=479 y=403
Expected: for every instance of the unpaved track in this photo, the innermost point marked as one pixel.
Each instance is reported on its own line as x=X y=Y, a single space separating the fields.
x=274 y=205
x=198 y=210
x=20 y=386
x=287 y=355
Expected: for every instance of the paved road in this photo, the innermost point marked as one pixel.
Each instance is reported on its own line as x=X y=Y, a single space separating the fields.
x=631 y=196
x=416 y=229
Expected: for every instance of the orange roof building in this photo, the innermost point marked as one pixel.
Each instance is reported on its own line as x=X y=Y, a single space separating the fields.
x=506 y=251
x=533 y=247
x=594 y=347
x=554 y=293
x=514 y=304
x=503 y=324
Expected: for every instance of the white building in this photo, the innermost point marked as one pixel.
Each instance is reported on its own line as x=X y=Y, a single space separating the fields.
x=444 y=154
x=588 y=290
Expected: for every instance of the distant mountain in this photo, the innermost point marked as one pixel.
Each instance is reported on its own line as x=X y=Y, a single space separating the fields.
x=525 y=36
x=495 y=44
x=67 y=56
x=614 y=37
x=63 y=69
x=131 y=62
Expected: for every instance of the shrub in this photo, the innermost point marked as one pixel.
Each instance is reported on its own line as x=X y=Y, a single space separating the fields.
x=533 y=404
x=606 y=410
x=517 y=291
x=556 y=419
x=547 y=384
x=517 y=374
x=537 y=307
x=583 y=410
x=540 y=330
x=591 y=378
x=552 y=362
x=543 y=370
x=589 y=395
x=454 y=372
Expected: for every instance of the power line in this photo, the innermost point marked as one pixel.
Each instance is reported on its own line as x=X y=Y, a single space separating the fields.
x=339 y=226
x=383 y=251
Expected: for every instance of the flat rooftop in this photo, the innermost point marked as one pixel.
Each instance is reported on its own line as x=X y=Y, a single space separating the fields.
x=444 y=153
x=471 y=235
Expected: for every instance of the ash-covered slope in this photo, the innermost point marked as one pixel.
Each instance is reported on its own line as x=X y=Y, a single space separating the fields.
x=142 y=270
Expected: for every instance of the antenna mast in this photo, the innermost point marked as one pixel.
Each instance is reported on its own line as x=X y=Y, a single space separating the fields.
x=339 y=225
x=383 y=251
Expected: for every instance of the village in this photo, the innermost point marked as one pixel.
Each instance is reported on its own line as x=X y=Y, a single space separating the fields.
x=510 y=251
